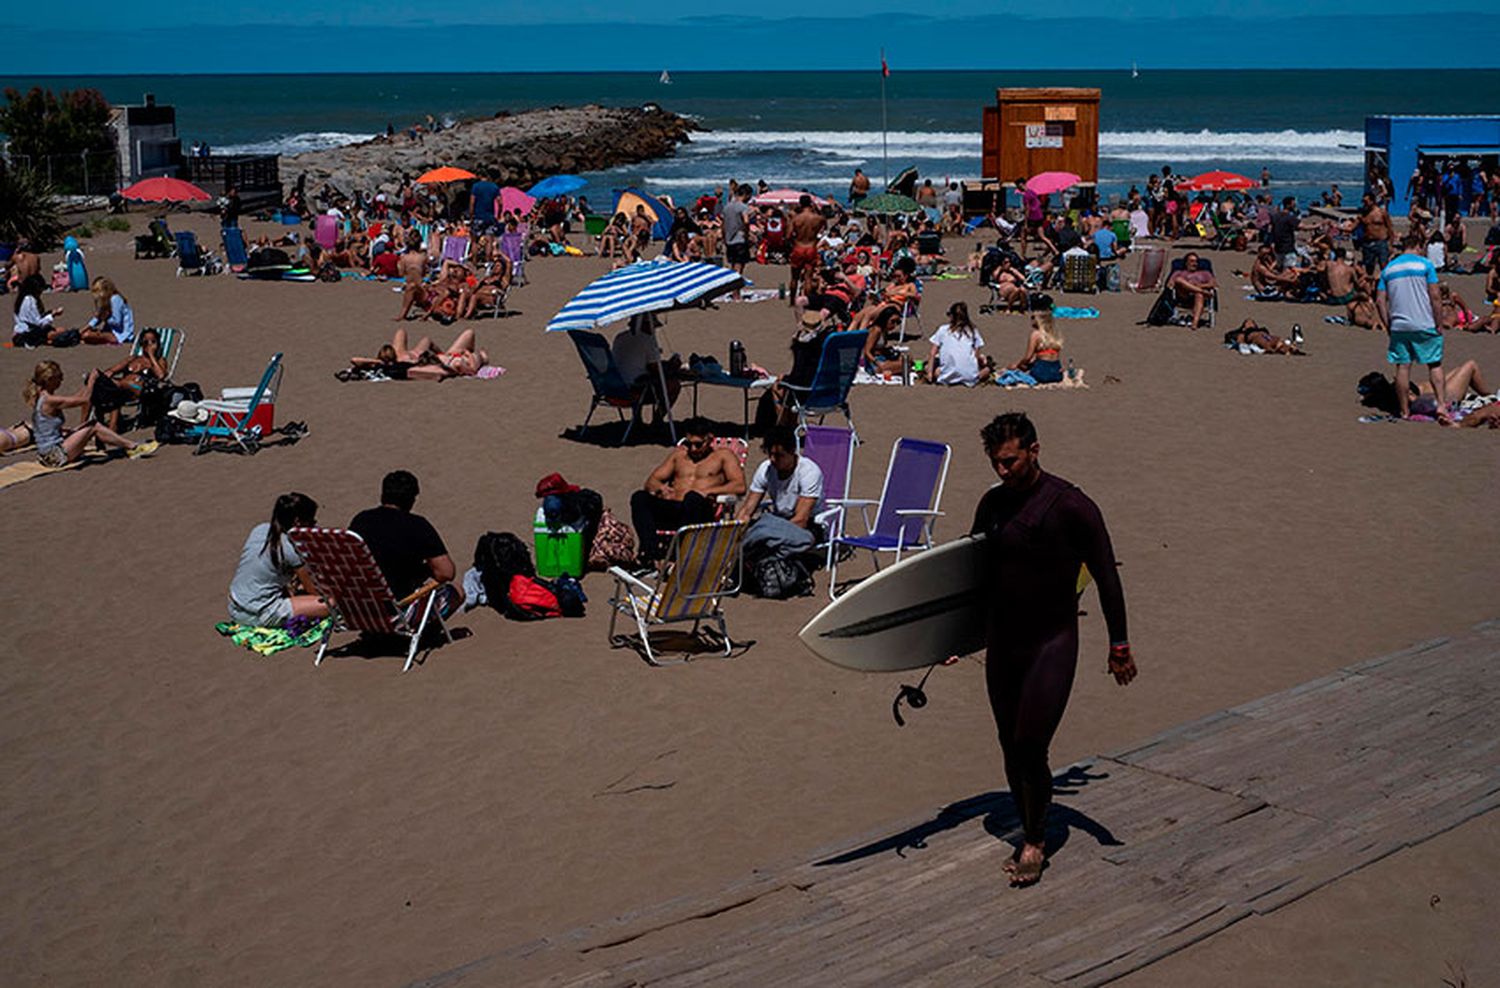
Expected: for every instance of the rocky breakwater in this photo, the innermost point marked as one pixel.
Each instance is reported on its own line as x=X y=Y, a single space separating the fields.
x=514 y=148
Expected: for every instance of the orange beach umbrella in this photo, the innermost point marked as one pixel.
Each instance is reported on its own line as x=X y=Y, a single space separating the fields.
x=443 y=175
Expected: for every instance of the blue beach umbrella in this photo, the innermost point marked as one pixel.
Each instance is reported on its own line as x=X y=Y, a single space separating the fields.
x=646 y=286
x=557 y=185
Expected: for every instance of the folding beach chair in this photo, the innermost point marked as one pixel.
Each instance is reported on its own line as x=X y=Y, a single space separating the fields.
x=832 y=449
x=704 y=565
x=455 y=248
x=911 y=311
x=829 y=390
x=908 y=507
x=1153 y=263
x=190 y=260
x=357 y=594
x=235 y=251
x=513 y=246
x=1211 y=307
x=1080 y=273
x=232 y=418
x=156 y=241
x=610 y=389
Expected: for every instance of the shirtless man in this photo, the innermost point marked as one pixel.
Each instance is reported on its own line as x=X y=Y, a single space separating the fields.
x=412 y=267
x=1378 y=234
x=807 y=226
x=1268 y=279
x=684 y=489
x=1342 y=286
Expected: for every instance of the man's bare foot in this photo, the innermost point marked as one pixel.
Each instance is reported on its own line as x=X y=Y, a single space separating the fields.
x=1026 y=868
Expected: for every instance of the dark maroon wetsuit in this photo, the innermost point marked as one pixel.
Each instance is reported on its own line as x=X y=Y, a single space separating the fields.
x=1039 y=537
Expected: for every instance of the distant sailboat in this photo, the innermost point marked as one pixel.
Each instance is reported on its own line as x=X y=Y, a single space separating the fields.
x=666 y=78
x=1135 y=73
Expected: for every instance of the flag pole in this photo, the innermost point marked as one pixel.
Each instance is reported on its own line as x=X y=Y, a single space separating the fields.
x=885 y=165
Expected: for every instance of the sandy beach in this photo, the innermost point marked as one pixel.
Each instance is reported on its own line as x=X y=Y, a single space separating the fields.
x=179 y=811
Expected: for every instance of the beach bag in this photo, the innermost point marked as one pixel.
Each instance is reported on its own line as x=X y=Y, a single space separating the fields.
x=614 y=543
x=529 y=599
x=779 y=578
x=499 y=556
x=1161 y=309
x=570 y=596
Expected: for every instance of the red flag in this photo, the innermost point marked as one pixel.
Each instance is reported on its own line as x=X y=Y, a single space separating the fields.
x=885 y=70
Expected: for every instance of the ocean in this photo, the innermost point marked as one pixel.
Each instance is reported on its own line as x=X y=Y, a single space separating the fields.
x=812 y=129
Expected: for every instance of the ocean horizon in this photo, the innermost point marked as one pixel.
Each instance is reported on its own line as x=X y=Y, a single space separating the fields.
x=811 y=129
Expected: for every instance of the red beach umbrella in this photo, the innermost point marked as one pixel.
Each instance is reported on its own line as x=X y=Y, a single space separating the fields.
x=1218 y=181
x=163 y=189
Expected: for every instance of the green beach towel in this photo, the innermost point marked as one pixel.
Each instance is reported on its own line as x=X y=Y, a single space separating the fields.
x=269 y=641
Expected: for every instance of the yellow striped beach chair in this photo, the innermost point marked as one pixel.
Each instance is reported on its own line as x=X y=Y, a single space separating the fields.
x=704 y=565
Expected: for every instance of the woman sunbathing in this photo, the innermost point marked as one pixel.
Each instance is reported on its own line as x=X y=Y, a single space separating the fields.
x=1043 y=356
x=423 y=361
x=56 y=445
x=1379 y=392
x=1250 y=334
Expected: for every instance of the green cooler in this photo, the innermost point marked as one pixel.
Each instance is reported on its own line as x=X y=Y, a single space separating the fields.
x=557 y=553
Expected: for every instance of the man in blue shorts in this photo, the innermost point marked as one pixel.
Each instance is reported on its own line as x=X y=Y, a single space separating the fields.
x=1408 y=300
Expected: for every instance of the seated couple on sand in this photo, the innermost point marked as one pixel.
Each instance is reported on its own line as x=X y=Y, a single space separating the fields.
x=422 y=361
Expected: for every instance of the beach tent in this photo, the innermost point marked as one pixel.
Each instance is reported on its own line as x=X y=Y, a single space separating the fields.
x=627 y=199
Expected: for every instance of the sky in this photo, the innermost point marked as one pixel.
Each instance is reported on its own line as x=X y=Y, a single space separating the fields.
x=124 y=36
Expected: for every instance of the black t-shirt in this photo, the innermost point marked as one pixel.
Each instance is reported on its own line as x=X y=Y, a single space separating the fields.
x=1284 y=231
x=401 y=543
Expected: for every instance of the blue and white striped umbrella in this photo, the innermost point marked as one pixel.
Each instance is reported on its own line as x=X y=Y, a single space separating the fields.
x=646 y=286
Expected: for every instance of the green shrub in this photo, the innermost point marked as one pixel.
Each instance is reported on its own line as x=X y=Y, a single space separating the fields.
x=28 y=208
x=115 y=224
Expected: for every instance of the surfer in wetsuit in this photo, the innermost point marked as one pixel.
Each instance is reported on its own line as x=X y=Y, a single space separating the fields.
x=1040 y=529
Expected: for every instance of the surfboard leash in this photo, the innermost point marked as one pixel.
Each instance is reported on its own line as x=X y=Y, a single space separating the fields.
x=913 y=696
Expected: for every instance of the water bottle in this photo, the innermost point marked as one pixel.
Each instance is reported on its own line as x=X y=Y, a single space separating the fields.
x=1072 y=371
x=737 y=360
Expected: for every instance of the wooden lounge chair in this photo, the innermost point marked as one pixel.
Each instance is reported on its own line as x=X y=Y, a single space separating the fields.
x=704 y=565
x=357 y=594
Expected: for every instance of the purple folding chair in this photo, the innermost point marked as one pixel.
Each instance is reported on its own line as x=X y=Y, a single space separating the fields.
x=455 y=248
x=907 y=509
x=832 y=449
x=513 y=246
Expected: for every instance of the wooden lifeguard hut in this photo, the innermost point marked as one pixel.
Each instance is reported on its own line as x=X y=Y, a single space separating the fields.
x=1029 y=131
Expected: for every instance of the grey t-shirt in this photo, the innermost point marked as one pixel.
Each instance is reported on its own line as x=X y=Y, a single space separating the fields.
x=780 y=493
x=258 y=584
x=736 y=222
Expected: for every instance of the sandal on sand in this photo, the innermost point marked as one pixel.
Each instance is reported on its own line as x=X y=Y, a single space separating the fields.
x=141 y=450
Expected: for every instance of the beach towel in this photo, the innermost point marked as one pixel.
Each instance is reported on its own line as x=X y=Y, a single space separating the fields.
x=1020 y=379
x=17 y=473
x=269 y=641
x=1067 y=312
x=749 y=295
x=952 y=276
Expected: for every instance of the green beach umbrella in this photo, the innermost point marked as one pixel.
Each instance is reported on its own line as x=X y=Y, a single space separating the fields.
x=889 y=202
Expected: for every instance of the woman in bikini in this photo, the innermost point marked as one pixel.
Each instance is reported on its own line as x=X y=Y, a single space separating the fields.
x=423 y=361
x=1251 y=334
x=1043 y=356
x=126 y=380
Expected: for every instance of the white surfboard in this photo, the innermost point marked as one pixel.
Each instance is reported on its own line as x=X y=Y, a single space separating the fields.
x=923 y=609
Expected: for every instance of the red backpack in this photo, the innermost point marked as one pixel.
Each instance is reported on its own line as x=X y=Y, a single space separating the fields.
x=530 y=600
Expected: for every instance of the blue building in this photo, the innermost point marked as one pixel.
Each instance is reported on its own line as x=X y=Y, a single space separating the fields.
x=1398 y=146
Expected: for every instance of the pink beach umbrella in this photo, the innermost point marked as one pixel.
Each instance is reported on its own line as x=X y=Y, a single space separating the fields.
x=1047 y=183
x=784 y=197
x=513 y=199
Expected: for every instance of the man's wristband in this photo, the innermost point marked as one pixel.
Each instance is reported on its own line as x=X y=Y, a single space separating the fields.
x=1119 y=650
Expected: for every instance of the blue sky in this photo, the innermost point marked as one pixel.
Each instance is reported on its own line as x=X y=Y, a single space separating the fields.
x=466 y=35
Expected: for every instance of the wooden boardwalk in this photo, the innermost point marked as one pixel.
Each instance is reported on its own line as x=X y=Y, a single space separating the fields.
x=1167 y=843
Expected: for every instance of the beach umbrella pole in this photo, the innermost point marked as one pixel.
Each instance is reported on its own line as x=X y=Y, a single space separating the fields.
x=666 y=400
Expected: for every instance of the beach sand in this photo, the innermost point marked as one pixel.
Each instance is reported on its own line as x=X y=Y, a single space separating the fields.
x=181 y=812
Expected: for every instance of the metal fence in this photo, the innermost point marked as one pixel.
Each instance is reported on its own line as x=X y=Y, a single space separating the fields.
x=88 y=173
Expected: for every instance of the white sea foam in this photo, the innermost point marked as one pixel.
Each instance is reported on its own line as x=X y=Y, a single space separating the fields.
x=295 y=143
x=1160 y=146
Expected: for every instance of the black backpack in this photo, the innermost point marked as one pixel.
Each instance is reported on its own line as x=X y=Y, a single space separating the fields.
x=499 y=556
x=1162 y=309
x=778 y=577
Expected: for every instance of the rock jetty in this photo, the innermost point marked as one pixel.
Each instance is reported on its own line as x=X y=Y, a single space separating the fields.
x=516 y=148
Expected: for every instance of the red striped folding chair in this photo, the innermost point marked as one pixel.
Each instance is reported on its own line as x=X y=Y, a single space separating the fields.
x=357 y=594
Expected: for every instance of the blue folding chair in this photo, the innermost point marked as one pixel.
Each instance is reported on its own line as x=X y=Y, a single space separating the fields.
x=234 y=248
x=230 y=420
x=610 y=388
x=907 y=510
x=189 y=257
x=829 y=390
